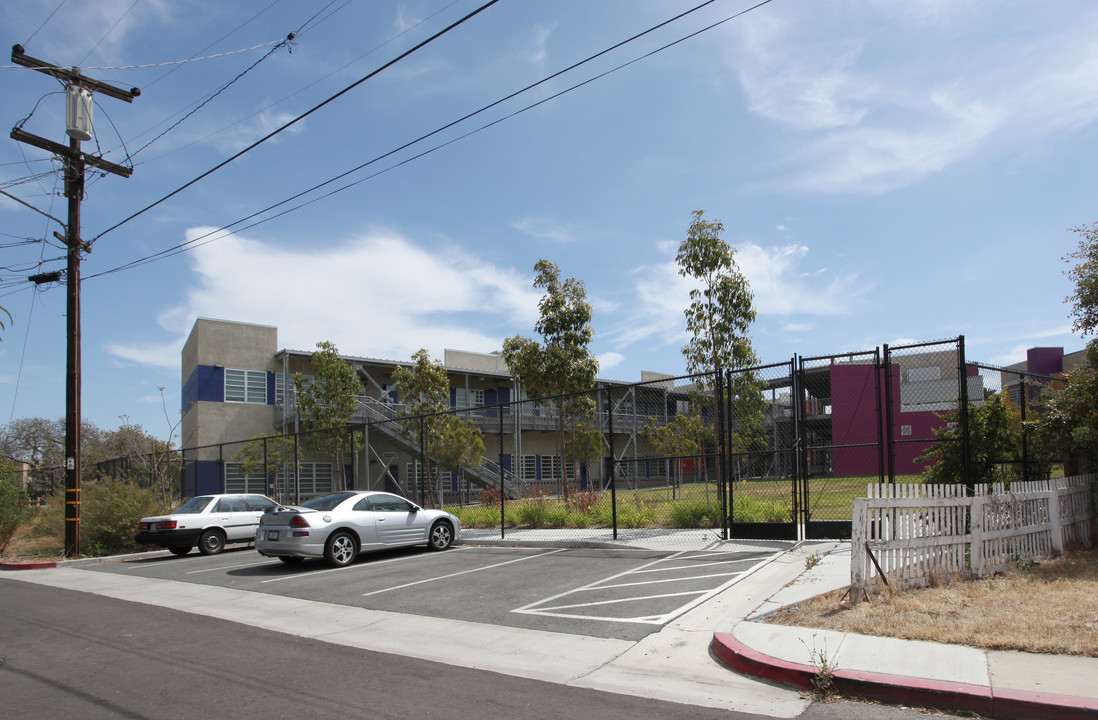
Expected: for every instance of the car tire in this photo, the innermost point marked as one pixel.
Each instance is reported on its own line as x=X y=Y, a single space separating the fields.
x=211 y=542
x=180 y=550
x=291 y=560
x=341 y=549
x=442 y=536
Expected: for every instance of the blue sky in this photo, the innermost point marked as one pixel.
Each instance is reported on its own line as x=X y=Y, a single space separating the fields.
x=885 y=171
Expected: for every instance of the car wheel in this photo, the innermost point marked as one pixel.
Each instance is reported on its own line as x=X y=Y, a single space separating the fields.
x=291 y=560
x=180 y=550
x=442 y=536
x=211 y=542
x=341 y=549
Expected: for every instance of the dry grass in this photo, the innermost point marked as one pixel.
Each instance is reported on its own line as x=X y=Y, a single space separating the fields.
x=1049 y=607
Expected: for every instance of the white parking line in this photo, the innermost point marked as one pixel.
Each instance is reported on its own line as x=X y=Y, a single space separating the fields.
x=463 y=572
x=313 y=573
x=260 y=561
x=542 y=608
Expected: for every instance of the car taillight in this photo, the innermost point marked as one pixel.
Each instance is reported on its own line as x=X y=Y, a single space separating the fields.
x=298 y=521
x=166 y=525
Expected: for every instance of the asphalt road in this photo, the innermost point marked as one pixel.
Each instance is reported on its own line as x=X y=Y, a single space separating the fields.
x=80 y=655
x=622 y=593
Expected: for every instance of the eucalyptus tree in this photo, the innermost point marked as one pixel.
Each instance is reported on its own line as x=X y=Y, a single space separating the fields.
x=718 y=319
x=560 y=368
x=425 y=396
x=326 y=403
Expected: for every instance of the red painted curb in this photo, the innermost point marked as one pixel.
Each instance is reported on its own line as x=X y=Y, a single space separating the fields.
x=27 y=566
x=1004 y=704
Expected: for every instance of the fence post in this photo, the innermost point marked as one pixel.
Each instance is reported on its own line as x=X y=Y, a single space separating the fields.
x=613 y=469
x=502 y=484
x=1057 y=526
x=857 y=549
x=976 y=511
x=962 y=371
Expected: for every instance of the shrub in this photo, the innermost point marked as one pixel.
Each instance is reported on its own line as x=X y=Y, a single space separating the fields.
x=15 y=509
x=751 y=509
x=109 y=513
x=693 y=514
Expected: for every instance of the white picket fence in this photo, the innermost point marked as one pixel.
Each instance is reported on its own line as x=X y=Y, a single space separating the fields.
x=909 y=534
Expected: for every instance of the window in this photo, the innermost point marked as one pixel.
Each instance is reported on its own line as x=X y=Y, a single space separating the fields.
x=528 y=467
x=468 y=398
x=390 y=503
x=550 y=467
x=281 y=380
x=246 y=386
x=237 y=482
x=312 y=478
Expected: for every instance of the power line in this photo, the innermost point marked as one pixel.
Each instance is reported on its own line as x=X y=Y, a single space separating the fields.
x=45 y=22
x=313 y=83
x=289 y=39
x=196 y=242
x=107 y=34
x=299 y=118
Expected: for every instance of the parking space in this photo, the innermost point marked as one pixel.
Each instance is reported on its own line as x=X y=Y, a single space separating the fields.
x=621 y=593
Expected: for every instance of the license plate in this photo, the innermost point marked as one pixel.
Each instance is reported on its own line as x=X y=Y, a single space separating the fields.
x=272 y=534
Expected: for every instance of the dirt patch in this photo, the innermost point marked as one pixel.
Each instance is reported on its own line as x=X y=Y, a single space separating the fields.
x=1045 y=607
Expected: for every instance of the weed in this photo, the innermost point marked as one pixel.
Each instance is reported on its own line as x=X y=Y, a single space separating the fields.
x=823 y=680
x=811 y=561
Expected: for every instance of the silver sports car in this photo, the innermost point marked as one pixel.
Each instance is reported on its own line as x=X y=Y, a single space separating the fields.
x=338 y=527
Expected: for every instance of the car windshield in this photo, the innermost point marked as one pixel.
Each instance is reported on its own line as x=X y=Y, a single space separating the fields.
x=194 y=505
x=328 y=502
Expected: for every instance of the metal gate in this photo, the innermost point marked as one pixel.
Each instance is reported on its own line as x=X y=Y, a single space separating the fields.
x=802 y=439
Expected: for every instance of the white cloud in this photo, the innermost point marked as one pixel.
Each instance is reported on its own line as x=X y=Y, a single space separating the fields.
x=609 y=360
x=870 y=116
x=242 y=134
x=780 y=287
x=539 y=40
x=378 y=294
x=546 y=229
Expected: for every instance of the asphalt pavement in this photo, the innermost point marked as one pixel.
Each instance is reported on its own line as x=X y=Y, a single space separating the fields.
x=720 y=654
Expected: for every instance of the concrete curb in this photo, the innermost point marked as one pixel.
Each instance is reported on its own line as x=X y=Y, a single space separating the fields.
x=27 y=565
x=1003 y=704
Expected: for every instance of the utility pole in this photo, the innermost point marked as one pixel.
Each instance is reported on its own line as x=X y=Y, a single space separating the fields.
x=78 y=114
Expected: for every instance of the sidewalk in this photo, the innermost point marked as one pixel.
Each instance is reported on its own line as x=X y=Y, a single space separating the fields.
x=995 y=684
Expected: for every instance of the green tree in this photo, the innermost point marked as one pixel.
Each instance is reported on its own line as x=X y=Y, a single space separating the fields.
x=460 y=444
x=425 y=396
x=265 y=455
x=718 y=318
x=721 y=310
x=683 y=436
x=327 y=404
x=1084 y=301
x=561 y=368
x=1067 y=423
x=995 y=442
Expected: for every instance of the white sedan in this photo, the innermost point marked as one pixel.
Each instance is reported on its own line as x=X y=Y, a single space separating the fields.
x=338 y=527
x=209 y=521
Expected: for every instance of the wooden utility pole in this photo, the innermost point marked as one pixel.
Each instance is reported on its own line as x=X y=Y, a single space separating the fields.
x=75 y=162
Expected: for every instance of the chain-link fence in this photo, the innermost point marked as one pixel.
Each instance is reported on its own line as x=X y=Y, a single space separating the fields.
x=774 y=451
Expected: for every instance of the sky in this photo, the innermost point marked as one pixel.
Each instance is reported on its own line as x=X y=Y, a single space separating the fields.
x=886 y=172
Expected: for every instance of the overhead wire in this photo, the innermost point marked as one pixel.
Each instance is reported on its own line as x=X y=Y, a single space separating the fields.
x=309 y=85
x=301 y=117
x=288 y=41
x=45 y=22
x=107 y=34
x=215 y=42
x=197 y=241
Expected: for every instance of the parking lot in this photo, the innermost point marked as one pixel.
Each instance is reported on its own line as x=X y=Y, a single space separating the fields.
x=621 y=593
